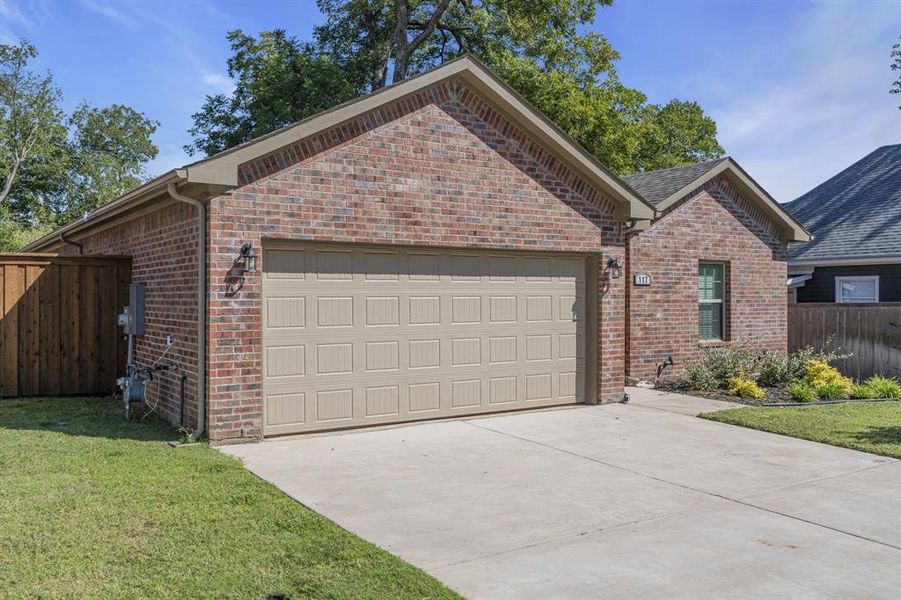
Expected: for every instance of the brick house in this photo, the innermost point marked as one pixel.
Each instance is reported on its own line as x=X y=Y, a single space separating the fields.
x=716 y=256
x=436 y=248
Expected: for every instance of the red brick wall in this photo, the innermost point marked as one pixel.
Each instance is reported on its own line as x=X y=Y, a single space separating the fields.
x=712 y=223
x=163 y=247
x=438 y=169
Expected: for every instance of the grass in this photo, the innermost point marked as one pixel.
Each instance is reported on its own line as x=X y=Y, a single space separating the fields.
x=94 y=507
x=871 y=427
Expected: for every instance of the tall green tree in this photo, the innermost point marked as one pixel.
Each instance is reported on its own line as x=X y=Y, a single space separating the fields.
x=53 y=166
x=539 y=46
x=32 y=135
x=278 y=81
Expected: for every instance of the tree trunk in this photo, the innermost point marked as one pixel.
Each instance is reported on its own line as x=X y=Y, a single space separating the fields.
x=404 y=48
x=401 y=45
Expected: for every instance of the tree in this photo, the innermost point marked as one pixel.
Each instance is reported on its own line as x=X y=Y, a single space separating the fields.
x=896 y=66
x=278 y=81
x=55 y=167
x=536 y=45
x=31 y=131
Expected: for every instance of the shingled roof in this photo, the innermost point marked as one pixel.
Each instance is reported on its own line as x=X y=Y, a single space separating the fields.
x=657 y=186
x=855 y=214
x=666 y=187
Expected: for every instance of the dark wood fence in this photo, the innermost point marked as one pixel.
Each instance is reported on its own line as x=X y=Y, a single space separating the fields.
x=58 y=332
x=871 y=332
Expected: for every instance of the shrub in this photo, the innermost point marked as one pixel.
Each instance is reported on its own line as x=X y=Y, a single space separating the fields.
x=860 y=391
x=883 y=387
x=797 y=361
x=698 y=377
x=832 y=390
x=746 y=388
x=801 y=391
x=713 y=368
x=736 y=361
x=830 y=384
x=772 y=369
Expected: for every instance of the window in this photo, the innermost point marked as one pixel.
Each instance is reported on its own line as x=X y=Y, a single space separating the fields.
x=711 y=301
x=857 y=289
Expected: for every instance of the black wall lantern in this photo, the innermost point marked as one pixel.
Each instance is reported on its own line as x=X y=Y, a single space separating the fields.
x=245 y=263
x=615 y=266
x=249 y=257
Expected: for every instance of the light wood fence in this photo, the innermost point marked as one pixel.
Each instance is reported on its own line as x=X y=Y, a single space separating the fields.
x=58 y=332
x=871 y=332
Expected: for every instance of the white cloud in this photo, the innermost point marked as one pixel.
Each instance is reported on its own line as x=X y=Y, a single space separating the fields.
x=13 y=12
x=832 y=107
x=108 y=10
x=219 y=82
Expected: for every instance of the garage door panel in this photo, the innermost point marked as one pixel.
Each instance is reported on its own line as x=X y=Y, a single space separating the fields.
x=370 y=335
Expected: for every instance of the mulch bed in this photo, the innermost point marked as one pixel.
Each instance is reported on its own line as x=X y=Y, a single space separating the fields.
x=773 y=395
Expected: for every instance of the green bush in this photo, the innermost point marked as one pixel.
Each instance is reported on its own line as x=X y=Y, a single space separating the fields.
x=697 y=376
x=834 y=390
x=745 y=388
x=883 y=387
x=860 y=391
x=796 y=364
x=801 y=391
x=715 y=366
x=829 y=383
x=772 y=369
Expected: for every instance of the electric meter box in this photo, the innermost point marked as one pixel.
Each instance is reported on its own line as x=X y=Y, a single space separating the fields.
x=135 y=309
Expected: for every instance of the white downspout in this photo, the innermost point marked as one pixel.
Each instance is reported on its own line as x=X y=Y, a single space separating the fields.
x=201 y=304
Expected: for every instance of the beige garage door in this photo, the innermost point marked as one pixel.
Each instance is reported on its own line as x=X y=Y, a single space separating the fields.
x=359 y=336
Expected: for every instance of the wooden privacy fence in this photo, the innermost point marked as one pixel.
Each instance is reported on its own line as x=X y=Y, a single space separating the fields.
x=871 y=332
x=58 y=333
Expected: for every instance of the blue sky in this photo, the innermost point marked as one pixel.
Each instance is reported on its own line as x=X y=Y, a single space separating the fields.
x=799 y=89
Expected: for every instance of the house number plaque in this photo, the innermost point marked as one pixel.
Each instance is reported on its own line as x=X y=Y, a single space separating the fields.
x=642 y=279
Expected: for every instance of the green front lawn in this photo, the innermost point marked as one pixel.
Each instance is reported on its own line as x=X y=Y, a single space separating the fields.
x=871 y=427
x=94 y=507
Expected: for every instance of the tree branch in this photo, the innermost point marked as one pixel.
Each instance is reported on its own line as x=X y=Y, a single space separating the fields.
x=430 y=26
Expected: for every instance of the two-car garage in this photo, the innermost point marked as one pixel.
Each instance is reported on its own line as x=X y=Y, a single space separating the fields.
x=364 y=335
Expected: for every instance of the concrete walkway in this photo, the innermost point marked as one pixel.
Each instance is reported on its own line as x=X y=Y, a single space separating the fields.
x=677 y=403
x=616 y=501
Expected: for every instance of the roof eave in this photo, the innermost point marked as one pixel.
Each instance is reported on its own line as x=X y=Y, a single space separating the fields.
x=791 y=229
x=137 y=196
x=222 y=169
x=845 y=261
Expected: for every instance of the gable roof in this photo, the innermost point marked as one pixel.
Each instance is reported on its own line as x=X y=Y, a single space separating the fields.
x=657 y=186
x=220 y=171
x=665 y=187
x=855 y=215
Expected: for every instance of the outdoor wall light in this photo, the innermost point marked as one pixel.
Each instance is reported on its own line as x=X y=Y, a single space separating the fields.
x=615 y=266
x=249 y=256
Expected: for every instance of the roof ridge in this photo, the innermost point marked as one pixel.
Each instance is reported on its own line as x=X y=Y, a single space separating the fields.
x=686 y=166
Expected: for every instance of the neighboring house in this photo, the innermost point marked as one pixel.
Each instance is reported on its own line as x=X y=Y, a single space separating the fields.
x=855 y=218
x=437 y=248
x=716 y=259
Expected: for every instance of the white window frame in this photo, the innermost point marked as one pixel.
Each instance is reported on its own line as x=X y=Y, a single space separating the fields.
x=839 y=279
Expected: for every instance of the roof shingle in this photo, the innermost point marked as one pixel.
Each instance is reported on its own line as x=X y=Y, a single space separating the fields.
x=657 y=186
x=855 y=214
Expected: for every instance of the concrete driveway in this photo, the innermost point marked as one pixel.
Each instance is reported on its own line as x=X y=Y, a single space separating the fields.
x=638 y=500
